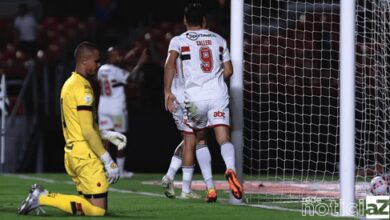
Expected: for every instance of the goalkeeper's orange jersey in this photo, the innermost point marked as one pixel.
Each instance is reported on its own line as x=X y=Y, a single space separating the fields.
x=76 y=95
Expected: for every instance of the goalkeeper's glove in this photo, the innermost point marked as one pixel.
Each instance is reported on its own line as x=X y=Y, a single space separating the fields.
x=115 y=138
x=112 y=170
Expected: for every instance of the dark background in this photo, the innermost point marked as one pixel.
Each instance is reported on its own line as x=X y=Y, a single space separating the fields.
x=152 y=134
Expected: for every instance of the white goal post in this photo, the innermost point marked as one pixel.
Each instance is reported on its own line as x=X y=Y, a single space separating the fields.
x=236 y=85
x=347 y=107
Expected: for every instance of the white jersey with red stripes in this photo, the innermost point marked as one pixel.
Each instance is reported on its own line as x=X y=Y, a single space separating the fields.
x=202 y=53
x=112 y=81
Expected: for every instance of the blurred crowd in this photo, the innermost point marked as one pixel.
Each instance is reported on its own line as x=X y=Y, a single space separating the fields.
x=50 y=41
x=302 y=53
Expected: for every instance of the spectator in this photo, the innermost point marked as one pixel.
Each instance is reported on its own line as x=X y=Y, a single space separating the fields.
x=25 y=27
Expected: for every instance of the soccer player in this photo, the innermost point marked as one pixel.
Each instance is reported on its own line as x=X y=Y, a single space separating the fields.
x=206 y=64
x=112 y=106
x=202 y=151
x=86 y=160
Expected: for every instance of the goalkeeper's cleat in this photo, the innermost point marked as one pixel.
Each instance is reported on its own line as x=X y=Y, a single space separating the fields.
x=234 y=184
x=40 y=210
x=211 y=195
x=126 y=174
x=190 y=195
x=32 y=200
x=167 y=185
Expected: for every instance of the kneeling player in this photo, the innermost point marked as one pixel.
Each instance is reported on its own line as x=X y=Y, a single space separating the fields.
x=86 y=161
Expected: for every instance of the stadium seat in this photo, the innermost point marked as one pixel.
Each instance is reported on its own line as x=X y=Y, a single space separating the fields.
x=53 y=53
x=71 y=21
x=49 y=22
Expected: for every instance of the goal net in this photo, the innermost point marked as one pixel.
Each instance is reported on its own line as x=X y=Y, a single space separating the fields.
x=291 y=97
x=372 y=88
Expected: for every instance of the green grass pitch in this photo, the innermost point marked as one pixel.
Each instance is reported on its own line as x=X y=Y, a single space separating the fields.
x=132 y=199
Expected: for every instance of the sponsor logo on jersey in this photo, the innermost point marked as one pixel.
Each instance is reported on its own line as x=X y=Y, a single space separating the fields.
x=192 y=36
x=195 y=36
x=219 y=114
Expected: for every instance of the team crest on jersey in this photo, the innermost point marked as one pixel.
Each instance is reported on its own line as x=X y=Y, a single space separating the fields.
x=88 y=99
x=192 y=36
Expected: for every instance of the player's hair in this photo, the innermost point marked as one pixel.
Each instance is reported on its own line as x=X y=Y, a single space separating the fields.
x=23 y=7
x=114 y=49
x=84 y=47
x=194 y=14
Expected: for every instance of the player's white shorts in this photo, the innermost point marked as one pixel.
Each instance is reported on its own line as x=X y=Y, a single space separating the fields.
x=208 y=113
x=113 y=122
x=179 y=117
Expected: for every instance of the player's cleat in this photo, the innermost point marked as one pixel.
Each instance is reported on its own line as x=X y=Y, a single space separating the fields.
x=211 y=195
x=190 y=195
x=32 y=200
x=234 y=184
x=126 y=174
x=167 y=185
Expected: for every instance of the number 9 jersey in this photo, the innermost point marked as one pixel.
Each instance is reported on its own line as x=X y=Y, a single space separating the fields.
x=202 y=53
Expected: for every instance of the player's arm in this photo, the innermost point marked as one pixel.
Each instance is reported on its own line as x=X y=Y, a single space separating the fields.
x=92 y=136
x=84 y=104
x=141 y=61
x=169 y=71
x=226 y=62
x=227 y=69
x=133 y=74
x=88 y=131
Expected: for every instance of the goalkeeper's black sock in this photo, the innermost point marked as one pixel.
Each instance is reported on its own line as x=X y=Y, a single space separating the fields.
x=72 y=204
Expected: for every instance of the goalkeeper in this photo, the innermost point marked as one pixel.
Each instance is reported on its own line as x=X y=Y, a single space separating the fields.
x=86 y=160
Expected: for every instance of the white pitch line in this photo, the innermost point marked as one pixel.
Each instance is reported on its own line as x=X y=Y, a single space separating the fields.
x=274 y=208
x=138 y=193
x=111 y=189
x=36 y=178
